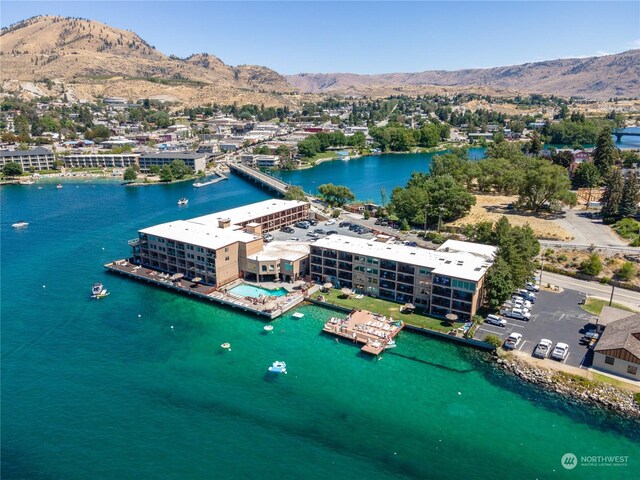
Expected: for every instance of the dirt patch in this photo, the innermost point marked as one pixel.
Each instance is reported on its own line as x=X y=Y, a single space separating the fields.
x=492 y=207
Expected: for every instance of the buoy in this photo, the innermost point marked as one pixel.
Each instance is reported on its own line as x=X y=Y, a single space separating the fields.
x=44 y=286
x=139 y=315
x=459 y=393
x=171 y=327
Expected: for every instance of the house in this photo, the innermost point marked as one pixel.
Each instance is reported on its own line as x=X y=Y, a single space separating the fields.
x=618 y=349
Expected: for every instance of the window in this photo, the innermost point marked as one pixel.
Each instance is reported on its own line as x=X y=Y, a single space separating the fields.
x=226 y=249
x=632 y=370
x=264 y=268
x=226 y=259
x=609 y=360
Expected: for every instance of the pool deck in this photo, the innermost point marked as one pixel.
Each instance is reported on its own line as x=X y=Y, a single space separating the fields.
x=271 y=308
x=361 y=326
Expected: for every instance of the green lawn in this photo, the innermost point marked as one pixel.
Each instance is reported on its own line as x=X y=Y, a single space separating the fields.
x=384 y=307
x=594 y=306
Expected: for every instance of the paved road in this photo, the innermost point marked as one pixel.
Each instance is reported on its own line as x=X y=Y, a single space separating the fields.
x=592 y=288
x=587 y=231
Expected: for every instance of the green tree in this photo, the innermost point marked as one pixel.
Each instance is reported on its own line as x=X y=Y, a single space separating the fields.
x=605 y=154
x=627 y=271
x=295 y=193
x=612 y=197
x=587 y=175
x=630 y=196
x=336 y=195
x=535 y=145
x=12 y=169
x=98 y=133
x=283 y=152
x=130 y=174
x=592 y=265
x=262 y=150
x=544 y=183
x=179 y=169
x=498 y=283
x=154 y=169
x=166 y=174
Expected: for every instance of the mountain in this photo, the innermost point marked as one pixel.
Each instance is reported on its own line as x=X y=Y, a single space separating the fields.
x=594 y=77
x=93 y=59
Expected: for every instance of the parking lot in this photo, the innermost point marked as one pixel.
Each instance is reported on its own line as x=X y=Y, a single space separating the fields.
x=301 y=234
x=555 y=316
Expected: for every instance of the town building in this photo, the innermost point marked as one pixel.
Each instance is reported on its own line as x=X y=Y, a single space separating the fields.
x=260 y=161
x=618 y=349
x=123 y=160
x=221 y=247
x=36 y=159
x=444 y=281
x=195 y=161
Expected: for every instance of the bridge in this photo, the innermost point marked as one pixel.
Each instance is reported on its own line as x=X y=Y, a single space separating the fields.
x=619 y=134
x=264 y=180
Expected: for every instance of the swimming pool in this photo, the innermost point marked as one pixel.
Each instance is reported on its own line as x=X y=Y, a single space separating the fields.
x=253 y=291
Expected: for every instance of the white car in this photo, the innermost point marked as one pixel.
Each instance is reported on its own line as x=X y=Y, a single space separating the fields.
x=560 y=352
x=330 y=222
x=532 y=287
x=519 y=314
x=527 y=295
x=521 y=302
x=496 y=320
x=543 y=348
x=513 y=341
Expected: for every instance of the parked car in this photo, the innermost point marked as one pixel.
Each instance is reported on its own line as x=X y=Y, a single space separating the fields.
x=294 y=239
x=363 y=231
x=532 y=287
x=543 y=349
x=411 y=244
x=495 y=320
x=344 y=224
x=303 y=224
x=513 y=340
x=520 y=302
x=332 y=232
x=519 y=314
x=287 y=230
x=319 y=231
x=527 y=295
x=313 y=235
x=353 y=227
x=267 y=237
x=378 y=221
x=384 y=223
x=313 y=222
x=560 y=352
x=330 y=222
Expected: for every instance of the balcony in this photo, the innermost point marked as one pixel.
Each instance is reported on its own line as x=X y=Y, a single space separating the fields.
x=461 y=306
x=464 y=296
x=443 y=292
x=347 y=257
x=134 y=242
x=442 y=302
x=316 y=269
x=386 y=284
x=344 y=266
x=444 y=281
x=405 y=288
x=405 y=279
x=329 y=271
x=387 y=265
x=345 y=275
x=317 y=260
x=330 y=263
x=387 y=294
x=408 y=269
x=388 y=275
x=330 y=254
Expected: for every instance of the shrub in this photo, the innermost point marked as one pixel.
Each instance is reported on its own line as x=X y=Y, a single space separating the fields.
x=562 y=258
x=336 y=213
x=636 y=397
x=548 y=252
x=605 y=280
x=627 y=271
x=592 y=265
x=493 y=340
x=435 y=237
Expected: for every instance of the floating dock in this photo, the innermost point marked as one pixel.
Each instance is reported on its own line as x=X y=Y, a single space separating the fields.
x=361 y=326
x=212 y=181
x=271 y=309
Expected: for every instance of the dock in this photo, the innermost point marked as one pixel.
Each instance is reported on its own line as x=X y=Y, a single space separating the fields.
x=212 y=181
x=270 y=309
x=361 y=326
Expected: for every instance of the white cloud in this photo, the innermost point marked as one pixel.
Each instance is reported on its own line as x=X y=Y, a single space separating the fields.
x=635 y=43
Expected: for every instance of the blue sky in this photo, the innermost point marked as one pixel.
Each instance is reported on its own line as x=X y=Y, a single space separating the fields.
x=363 y=37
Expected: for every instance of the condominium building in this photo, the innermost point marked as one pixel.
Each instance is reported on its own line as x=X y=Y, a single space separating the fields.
x=38 y=158
x=220 y=247
x=101 y=161
x=447 y=280
x=195 y=161
x=260 y=161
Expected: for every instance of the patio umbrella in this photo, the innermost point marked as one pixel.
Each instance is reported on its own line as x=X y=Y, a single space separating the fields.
x=451 y=317
x=409 y=306
x=196 y=279
x=177 y=276
x=327 y=286
x=347 y=292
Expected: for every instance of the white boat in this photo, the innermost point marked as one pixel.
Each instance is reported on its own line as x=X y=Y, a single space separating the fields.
x=390 y=344
x=20 y=224
x=298 y=315
x=268 y=328
x=278 y=367
x=59 y=186
x=98 y=291
x=345 y=158
x=183 y=201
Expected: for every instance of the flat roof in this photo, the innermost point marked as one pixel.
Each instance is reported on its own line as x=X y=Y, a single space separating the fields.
x=249 y=212
x=187 y=231
x=291 y=251
x=486 y=251
x=174 y=155
x=463 y=265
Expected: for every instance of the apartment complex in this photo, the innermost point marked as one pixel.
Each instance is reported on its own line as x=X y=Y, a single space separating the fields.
x=36 y=159
x=195 y=161
x=447 y=280
x=260 y=161
x=220 y=247
x=101 y=161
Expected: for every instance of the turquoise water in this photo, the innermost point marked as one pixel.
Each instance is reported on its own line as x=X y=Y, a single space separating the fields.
x=108 y=389
x=253 y=291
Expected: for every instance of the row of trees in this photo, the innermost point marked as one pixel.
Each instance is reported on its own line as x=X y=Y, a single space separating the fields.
x=320 y=142
x=621 y=197
x=397 y=138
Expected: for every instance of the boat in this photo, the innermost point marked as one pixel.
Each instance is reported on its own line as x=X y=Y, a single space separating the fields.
x=390 y=344
x=183 y=201
x=27 y=182
x=346 y=158
x=59 y=185
x=20 y=224
x=298 y=315
x=98 y=291
x=226 y=346
x=278 y=367
x=268 y=328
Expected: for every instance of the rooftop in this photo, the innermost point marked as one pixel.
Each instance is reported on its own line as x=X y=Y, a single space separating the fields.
x=290 y=251
x=611 y=314
x=623 y=334
x=487 y=252
x=20 y=153
x=460 y=264
x=248 y=212
x=174 y=155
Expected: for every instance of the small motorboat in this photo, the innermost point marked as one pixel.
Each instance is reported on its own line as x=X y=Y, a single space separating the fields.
x=98 y=291
x=59 y=186
x=298 y=315
x=390 y=344
x=268 y=328
x=226 y=346
x=278 y=367
x=183 y=201
x=20 y=224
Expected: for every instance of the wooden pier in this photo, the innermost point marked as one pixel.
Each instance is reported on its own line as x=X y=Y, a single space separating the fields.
x=361 y=326
x=271 y=309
